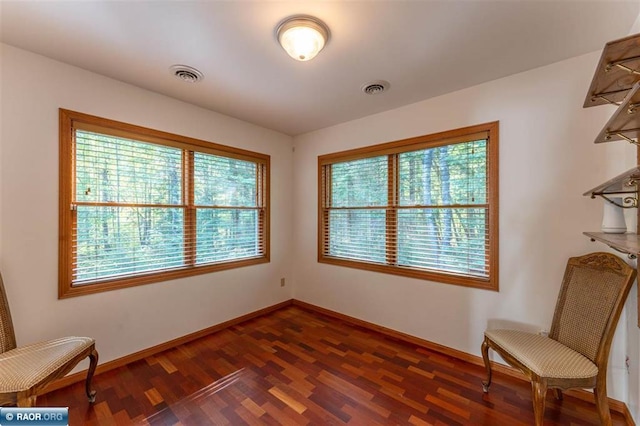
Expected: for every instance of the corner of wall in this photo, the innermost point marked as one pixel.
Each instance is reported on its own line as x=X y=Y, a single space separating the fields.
x=633 y=333
x=635 y=28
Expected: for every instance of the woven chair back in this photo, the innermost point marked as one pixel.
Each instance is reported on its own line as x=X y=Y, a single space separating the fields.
x=593 y=292
x=7 y=335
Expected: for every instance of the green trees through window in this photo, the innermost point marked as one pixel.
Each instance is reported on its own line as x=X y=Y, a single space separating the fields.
x=443 y=200
x=147 y=206
x=230 y=233
x=426 y=208
x=128 y=201
x=359 y=201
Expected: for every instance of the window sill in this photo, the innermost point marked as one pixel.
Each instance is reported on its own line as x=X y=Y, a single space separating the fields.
x=65 y=290
x=440 y=277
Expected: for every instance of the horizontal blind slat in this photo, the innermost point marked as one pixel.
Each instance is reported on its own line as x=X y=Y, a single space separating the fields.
x=440 y=222
x=130 y=212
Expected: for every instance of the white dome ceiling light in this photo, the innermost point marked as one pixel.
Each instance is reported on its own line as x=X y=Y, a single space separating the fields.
x=302 y=36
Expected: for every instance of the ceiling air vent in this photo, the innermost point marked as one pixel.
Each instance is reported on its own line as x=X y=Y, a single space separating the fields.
x=186 y=73
x=375 y=87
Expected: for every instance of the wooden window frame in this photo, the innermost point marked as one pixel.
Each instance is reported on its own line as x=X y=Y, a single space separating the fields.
x=69 y=122
x=392 y=149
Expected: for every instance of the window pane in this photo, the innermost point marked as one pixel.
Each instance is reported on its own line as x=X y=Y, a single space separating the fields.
x=446 y=175
x=116 y=170
x=359 y=183
x=224 y=234
x=453 y=240
x=358 y=234
x=114 y=241
x=222 y=181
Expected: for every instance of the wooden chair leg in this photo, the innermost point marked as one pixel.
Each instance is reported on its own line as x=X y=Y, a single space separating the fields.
x=93 y=362
x=602 y=402
x=487 y=365
x=539 y=390
x=558 y=394
x=25 y=400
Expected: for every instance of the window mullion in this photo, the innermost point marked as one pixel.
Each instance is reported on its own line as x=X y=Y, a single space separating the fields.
x=189 y=210
x=261 y=196
x=72 y=226
x=324 y=209
x=392 y=211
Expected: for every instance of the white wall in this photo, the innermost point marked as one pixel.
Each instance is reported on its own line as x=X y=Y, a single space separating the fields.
x=547 y=160
x=122 y=321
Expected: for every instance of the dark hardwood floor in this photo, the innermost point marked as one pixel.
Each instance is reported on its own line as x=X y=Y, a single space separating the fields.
x=296 y=367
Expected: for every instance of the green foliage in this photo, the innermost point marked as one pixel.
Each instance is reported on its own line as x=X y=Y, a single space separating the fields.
x=113 y=241
x=148 y=235
x=359 y=183
x=223 y=181
x=421 y=243
x=463 y=167
x=441 y=216
x=226 y=234
x=117 y=170
x=358 y=234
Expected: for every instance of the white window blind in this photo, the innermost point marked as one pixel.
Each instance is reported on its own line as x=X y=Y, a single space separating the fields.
x=129 y=208
x=227 y=210
x=357 y=218
x=421 y=206
x=139 y=205
x=443 y=210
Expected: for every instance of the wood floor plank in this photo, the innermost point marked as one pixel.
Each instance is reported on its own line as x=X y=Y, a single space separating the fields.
x=283 y=396
x=295 y=367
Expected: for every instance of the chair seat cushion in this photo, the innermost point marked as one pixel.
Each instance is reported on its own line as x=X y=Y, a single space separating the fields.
x=542 y=355
x=25 y=367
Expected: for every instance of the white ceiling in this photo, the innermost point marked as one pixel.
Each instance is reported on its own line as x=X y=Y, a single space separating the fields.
x=423 y=48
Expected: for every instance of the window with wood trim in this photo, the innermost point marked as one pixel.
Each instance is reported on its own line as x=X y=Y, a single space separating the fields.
x=138 y=205
x=425 y=207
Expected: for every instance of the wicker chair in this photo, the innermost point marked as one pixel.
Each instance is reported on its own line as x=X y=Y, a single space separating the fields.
x=25 y=371
x=576 y=353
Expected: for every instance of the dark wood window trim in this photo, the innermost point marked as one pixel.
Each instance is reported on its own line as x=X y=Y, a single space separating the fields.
x=70 y=121
x=393 y=149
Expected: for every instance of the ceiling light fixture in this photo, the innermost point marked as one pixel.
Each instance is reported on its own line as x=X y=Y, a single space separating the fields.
x=302 y=36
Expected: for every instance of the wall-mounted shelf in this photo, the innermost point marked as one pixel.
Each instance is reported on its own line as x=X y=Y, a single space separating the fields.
x=617 y=72
x=628 y=243
x=625 y=183
x=617 y=81
x=624 y=124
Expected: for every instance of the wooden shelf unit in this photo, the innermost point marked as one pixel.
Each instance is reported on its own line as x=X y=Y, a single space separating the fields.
x=617 y=72
x=617 y=81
